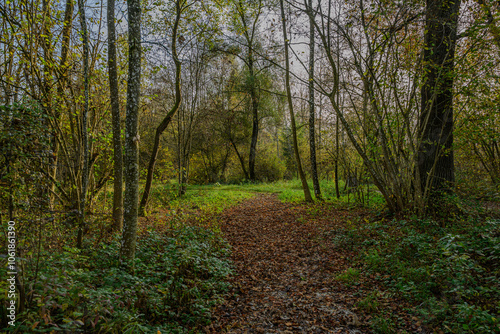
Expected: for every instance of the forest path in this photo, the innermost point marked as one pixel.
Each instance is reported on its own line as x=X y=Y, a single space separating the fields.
x=285 y=272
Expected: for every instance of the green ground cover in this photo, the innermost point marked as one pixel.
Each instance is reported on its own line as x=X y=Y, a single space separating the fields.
x=221 y=195
x=448 y=269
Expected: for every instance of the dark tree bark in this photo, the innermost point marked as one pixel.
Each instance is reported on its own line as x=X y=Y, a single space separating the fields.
x=435 y=156
x=255 y=112
x=305 y=186
x=240 y=158
x=66 y=33
x=255 y=126
x=168 y=118
x=255 y=118
x=85 y=139
x=115 y=112
x=337 y=155
x=131 y=156
x=312 y=130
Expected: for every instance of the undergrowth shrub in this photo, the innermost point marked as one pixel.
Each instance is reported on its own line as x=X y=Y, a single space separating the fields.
x=451 y=272
x=270 y=168
x=177 y=279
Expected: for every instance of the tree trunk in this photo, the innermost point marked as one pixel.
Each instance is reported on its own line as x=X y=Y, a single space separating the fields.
x=255 y=120
x=179 y=151
x=47 y=82
x=435 y=156
x=249 y=32
x=66 y=34
x=85 y=139
x=131 y=156
x=337 y=152
x=115 y=112
x=166 y=121
x=240 y=158
x=305 y=186
x=312 y=130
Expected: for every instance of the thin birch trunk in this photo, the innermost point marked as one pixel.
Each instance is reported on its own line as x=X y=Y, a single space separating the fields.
x=312 y=130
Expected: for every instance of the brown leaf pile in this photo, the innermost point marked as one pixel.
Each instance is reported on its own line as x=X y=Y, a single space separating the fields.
x=285 y=273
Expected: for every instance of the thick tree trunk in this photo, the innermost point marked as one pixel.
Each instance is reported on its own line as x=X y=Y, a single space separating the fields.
x=435 y=156
x=312 y=130
x=85 y=139
x=115 y=112
x=168 y=118
x=131 y=156
x=305 y=186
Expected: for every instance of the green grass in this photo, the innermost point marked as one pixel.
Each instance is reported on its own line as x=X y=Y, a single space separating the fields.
x=287 y=190
x=349 y=277
x=211 y=198
x=217 y=197
x=291 y=191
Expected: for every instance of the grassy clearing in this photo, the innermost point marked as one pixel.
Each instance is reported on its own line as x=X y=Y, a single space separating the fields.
x=220 y=196
x=208 y=198
x=291 y=191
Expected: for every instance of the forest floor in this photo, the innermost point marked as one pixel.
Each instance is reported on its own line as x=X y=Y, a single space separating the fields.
x=290 y=278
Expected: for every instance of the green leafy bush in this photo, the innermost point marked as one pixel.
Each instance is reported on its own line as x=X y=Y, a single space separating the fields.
x=176 y=280
x=451 y=272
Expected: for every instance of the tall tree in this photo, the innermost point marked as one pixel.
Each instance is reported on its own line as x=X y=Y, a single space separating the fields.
x=249 y=27
x=180 y=5
x=131 y=156
x=337 y=156
x=435 y=155
x=115 y=112
x=63 y=82
x=385 y=146
x=85 y=138
x=312 y=130
x=305 y=186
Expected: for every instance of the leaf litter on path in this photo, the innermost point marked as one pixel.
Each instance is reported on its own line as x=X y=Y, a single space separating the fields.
x=285 y=273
